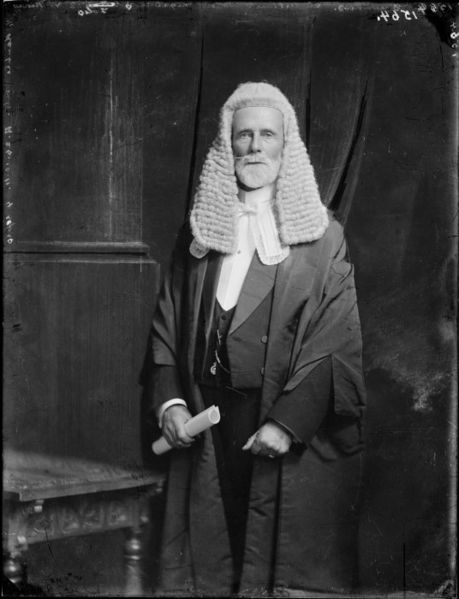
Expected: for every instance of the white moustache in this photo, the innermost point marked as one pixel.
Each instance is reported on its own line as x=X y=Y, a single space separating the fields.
x=253 y=160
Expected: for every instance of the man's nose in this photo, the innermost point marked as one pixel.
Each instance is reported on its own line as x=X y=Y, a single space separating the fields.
x=255 y=146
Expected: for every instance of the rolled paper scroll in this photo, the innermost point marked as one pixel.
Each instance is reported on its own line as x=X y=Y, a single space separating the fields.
x=193 y=427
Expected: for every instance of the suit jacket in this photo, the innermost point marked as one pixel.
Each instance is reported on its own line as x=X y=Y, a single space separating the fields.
x=302 y=515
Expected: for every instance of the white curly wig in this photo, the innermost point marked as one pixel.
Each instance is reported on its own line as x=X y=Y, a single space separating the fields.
x=300 y=215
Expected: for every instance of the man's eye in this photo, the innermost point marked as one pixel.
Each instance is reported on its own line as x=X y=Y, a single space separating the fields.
x=244 y=135
x=268 y=134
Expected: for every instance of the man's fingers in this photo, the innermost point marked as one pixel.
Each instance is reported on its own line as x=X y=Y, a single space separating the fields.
x=185 y=439
x=183 y=436
x=264 y=451
x=270 y=441
x=180 y=445
x=249 y=443
x=168 y=435
x=262 y=448
x=174 y=430
x=177 y=436
x=182 y=439
x=257 y=446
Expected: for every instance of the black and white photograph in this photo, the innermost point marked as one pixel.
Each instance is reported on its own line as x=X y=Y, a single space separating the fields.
x=230 y=299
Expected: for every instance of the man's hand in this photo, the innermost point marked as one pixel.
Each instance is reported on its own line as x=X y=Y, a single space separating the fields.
x=174 y=427
x=270 y=440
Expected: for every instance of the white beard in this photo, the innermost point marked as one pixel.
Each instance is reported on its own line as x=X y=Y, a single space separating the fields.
x=255 y=176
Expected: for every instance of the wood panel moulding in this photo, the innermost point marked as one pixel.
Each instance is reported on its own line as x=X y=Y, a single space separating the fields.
x=76 y=333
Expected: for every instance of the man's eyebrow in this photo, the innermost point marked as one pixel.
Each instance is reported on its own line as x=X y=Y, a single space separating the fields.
x=249 y=129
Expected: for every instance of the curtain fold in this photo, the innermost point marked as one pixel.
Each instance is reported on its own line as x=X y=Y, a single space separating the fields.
x=341 y=83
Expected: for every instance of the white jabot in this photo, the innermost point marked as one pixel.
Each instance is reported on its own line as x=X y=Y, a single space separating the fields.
x=256 y=230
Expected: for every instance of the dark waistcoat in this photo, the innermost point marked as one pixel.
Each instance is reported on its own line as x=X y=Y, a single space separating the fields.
x=228 y=356
x=246 y=348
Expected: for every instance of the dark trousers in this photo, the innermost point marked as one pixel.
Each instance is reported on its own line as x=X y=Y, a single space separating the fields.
x=239 y=418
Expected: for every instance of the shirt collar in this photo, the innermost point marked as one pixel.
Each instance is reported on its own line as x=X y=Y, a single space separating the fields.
x=259 y=199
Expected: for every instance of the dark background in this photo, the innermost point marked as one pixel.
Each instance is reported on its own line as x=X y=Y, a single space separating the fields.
x=111 y=115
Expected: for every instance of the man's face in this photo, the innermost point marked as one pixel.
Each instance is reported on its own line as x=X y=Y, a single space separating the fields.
x=258 y=141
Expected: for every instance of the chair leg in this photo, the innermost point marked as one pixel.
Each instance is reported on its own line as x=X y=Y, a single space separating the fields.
x=14 y=569
x=132 y=555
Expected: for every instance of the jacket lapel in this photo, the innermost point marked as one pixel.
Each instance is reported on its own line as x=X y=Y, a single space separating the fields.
x=196 y=276
x=295 y=282
x=257 y=284
x=209 y=292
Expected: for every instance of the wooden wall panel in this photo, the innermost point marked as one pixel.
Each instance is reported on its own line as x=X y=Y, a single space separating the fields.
x=103 y=117
x=76 y=334
x=76 y=130
x=101 y=113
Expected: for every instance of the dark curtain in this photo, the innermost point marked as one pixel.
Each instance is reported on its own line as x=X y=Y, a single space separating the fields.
x=322 y=61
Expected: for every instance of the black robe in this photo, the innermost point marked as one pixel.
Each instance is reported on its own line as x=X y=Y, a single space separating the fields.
x=302 y=518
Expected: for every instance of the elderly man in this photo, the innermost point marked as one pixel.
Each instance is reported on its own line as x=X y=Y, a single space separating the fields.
x=258 y=316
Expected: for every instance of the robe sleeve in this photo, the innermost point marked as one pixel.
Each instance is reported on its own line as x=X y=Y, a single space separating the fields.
x=300 y=417
x=327 y=370
x=165 y=335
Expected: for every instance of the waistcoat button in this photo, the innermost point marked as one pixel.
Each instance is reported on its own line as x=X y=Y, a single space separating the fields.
x=262 y=370
x=264 y=339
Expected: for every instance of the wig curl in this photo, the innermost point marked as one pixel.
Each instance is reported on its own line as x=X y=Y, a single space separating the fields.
x=300 y=215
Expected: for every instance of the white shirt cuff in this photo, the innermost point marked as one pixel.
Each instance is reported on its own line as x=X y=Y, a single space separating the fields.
x=167 y=404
